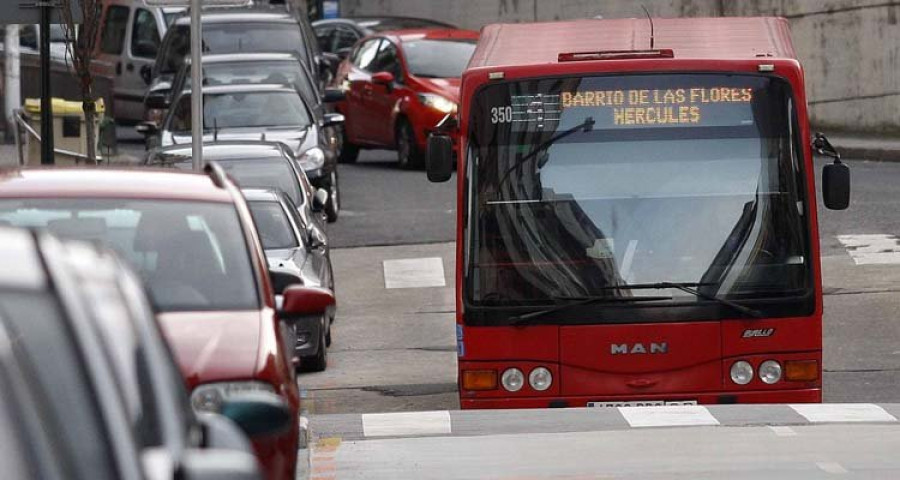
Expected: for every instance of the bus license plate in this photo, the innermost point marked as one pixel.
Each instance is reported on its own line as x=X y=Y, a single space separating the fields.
x=642 y=403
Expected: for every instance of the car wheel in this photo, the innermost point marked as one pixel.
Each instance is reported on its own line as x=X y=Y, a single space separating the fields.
x=349 y=151
x=408 y=155
x=333 y=206
x=319 y=361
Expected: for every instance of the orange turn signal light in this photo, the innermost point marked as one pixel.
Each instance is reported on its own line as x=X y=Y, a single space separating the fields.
x=801 y=370
x=479 y=380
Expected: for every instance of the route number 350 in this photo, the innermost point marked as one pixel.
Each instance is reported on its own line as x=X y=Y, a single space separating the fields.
x=501 y=115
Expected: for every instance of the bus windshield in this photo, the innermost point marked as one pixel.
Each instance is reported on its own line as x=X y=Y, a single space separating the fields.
x=592 y=187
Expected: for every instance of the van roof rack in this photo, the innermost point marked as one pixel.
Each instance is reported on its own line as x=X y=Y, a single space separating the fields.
x=616 y=55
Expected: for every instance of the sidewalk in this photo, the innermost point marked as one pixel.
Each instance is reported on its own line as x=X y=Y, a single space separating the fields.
x=884 y=147
x=9 y=157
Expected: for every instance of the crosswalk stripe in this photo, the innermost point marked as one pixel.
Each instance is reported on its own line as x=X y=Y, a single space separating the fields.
x=414 y=273
x=872 y=249
x=668 y=416
x=406 y=424
x=843 y=412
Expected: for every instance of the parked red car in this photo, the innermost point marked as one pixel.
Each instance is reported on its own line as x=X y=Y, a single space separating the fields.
x=399 y=85
x=192 y=239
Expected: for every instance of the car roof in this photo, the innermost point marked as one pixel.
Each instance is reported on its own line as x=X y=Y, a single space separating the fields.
x=261 y=194
x=366 y=22
x=247 y=57
x=727 y=38
x=247 y=88
x=228 y=149
x=413 y=34
x=240 y=15
x=22 y=264
x=161 y=184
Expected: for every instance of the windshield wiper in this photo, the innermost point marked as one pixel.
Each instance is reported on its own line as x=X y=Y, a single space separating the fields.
x=687 y=288
x=584 y=127
x=526 y=318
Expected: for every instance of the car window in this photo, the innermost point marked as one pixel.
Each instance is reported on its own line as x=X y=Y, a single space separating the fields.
x=438 y=58
x=176 y=46
x=273 y=225
x=36 y=321
x=387 y=60
x=294 y=212
x=343 y=39
x=238 y=73
x=324 y=36
x=112 y=40
x=365 y=54
x=191 y=255
x=244 y=110
x=144 y=34
x=266 y=173
x=254 y=38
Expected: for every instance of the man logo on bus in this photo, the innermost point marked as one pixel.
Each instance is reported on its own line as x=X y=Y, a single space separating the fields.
x=625 y=348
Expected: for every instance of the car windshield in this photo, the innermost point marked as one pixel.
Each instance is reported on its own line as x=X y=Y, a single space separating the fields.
x=583 y=184
x=265 y=173
x=385 y=24
x=191 y=255
x=273 y=225
x=272 y=109
x=253 y=37
x=438 y=58
x=270 y=72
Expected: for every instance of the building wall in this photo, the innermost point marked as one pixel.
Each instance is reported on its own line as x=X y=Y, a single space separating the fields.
x=849 y=48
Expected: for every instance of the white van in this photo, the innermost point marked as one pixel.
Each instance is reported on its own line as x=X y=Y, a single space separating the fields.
x=130 y=34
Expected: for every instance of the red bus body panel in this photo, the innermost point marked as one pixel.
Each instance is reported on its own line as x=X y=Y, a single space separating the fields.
x=700 y=354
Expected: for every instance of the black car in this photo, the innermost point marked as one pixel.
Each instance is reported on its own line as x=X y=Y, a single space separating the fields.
x=238 y=30
x=264 y=113
x=338 y=35
x=89 y=388
x=255 y=164
x=297 y=252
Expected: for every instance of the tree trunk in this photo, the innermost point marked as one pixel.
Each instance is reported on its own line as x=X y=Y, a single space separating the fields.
x=90 y=112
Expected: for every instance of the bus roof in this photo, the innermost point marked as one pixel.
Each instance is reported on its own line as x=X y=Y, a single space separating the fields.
x=725 y=38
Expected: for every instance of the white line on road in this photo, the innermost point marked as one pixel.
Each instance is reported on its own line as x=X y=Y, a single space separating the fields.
x=843 y=412
x=414 y=273
x=668 y=416
x=406 y=424
x=872 y=249
x=831 y=467
x=781 y=431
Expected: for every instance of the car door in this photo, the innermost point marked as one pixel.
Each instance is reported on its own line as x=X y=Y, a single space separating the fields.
x=107 y=61
x=380 y=102
x=359 y=86
x=143 y=45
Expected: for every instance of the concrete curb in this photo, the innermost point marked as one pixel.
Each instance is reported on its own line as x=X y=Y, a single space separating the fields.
x=303 y=456
x=872 y=153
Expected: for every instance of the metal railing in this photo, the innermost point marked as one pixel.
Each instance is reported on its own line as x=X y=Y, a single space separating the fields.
x=22 y=128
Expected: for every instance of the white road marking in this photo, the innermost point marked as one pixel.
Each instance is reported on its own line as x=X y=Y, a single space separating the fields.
x=782 y=431
x=414 y=273
x=831 y=467
x=406 y=424
x=843 y=412
x=668 y=416
x=872 y=249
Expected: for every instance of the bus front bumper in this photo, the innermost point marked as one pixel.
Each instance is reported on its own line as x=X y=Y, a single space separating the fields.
x=809 y=395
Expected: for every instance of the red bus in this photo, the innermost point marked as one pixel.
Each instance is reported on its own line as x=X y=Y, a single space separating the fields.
x=637 y=215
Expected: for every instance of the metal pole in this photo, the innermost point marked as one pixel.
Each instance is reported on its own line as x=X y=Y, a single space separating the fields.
x=13 y=88
x=196 y=87
x=46 y=104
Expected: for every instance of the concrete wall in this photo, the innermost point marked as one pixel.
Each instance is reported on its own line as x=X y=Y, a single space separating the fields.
x=850 y=48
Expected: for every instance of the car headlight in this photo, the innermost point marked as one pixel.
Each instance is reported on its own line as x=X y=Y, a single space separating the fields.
x=312 y=159
x=437 y=102
x=211 y=396
x=741 y=372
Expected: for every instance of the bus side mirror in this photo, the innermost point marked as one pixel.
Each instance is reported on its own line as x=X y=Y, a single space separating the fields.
x=439 y=158
x=835 y=177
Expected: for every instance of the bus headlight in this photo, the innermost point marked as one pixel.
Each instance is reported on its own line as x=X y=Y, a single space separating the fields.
x=512 y=379
x=770 y=372
x=741 y=372
x=540 y=379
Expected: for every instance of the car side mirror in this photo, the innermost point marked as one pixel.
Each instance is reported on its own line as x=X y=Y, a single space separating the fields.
x=319 y=200
x=158 y=100
x=333 y=95
x=147 y=129
x=282 y=279
x=258 y=414
x=218 y=464
x=439 y=158
x=316 y=239
x=147 y=74
x=835 y=176
x=304 y=301
x=333 y=119
x=383 y=78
